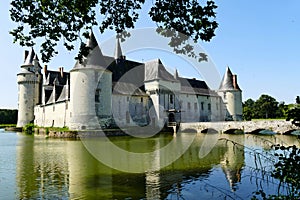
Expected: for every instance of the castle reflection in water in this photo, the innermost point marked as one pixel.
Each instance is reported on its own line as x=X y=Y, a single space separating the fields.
x=64 y=169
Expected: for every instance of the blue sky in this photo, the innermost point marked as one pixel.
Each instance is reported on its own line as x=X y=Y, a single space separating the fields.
x=258 y=39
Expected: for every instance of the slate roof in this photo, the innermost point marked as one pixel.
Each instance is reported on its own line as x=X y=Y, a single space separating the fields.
x=63 y=94
x=95 y=57
x=227 y=82
x=127 y=89
x=50 y=76
x=54 y=79
x=154 y=70
x=194 y=86
x=126 y=71
x=30 y=58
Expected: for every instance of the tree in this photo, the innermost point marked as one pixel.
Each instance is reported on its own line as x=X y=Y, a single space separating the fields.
x=249 y=109
x=294 y=115
x=8 y=116
x=297 y=100
x=51 y=21
x=282 y=110
x=266 y=107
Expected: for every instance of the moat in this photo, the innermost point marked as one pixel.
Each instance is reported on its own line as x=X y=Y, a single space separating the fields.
x=33 y=167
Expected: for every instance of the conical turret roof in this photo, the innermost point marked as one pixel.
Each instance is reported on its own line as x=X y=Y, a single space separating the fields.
x=30 y=57
x=95 y=57
x=227 y=82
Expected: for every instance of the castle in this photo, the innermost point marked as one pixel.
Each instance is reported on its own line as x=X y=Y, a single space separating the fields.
x=111 y=91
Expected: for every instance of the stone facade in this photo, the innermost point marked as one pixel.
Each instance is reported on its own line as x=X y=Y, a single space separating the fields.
x=110 y=91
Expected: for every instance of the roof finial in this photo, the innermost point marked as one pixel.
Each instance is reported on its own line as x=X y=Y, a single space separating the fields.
x=176 y=74
x=91 y=41
x=118 y=50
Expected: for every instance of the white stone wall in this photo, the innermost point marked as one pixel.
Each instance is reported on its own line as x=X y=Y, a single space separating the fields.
x=28 y=97
x=53 y=115
x=233 y=102
x=160 y=92
x=129 y=110
x=104 y=85
x=189 y=111
x=83 y=86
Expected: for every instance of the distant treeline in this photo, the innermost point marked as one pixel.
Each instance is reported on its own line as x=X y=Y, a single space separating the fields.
x=8 y=116
x=267 y=107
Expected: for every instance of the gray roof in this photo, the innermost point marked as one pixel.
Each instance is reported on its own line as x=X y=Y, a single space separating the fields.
x=29 y=60
x=30 y=57
x=194 y=86
x=95 y=57
x=227 y=81
x=154 y=70
x=51 y=98
x=127 y=89
x=50 y=77
x=63 y=95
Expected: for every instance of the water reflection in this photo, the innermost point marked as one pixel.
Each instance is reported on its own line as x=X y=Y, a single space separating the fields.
x=64 y=169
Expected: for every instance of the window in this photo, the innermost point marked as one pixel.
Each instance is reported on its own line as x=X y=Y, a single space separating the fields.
x=202 y=105
x=97 y=93
x=171 y=98
x=209 y=107
x=195 y=106
x=188 y=105
x=127 y=98
x=224 y=95
x=141 y=99
x=217 y=106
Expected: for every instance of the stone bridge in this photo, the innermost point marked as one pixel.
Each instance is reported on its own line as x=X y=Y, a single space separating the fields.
x=277 y=126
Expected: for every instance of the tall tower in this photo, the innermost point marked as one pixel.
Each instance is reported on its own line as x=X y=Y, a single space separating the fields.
x=90 y=89
x=232 y=96
x=29 y=86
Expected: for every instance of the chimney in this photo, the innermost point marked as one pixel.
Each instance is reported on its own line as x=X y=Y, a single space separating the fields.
x=45 y=69
x=234 y=81
x=61 y=69
x=25 y=54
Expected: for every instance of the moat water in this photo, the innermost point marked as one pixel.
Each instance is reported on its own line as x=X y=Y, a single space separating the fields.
x=40 y=168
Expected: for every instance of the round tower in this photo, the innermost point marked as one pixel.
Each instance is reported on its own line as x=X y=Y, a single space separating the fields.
x=232 y=96
x=29 y=88
x=90 y=89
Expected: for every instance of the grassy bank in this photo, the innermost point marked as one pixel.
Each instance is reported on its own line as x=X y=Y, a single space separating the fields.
x=7 y=125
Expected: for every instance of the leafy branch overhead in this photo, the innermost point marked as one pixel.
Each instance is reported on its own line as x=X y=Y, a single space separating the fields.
x=52 y=21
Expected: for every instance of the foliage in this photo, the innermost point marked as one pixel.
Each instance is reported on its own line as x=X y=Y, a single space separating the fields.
x=294 y=115
x=51 y=21
x=7 y=125
x=65 y=128
x=8 y=116
x=287 y=171
x=297 y=100
x=282 y=110
x=287 y=168
x=248 y=108
x=29 y=128
x=265 y=107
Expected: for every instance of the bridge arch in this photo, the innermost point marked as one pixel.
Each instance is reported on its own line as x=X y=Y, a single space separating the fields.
x=234 y=131
x=209 y=131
